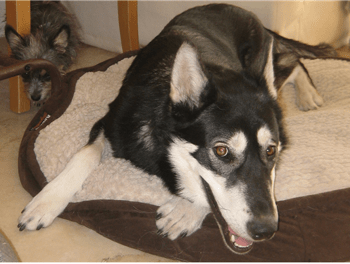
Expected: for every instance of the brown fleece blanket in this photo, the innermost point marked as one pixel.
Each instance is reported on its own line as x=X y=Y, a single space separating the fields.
x=119 y=201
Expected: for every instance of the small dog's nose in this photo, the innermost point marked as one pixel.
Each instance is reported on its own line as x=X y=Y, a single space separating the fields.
x=35 y=98
x=262 y=229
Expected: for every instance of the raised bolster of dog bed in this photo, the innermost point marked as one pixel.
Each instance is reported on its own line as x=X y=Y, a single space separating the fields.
x=311 y=228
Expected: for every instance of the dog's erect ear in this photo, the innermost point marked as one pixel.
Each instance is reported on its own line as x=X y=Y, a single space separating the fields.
x=14 y=39
x=269 y=73
x=60 y=41
x=261 y=66
x=187 y=78
x=256 y=53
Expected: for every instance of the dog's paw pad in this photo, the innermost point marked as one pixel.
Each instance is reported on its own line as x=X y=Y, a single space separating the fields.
x=179 y=218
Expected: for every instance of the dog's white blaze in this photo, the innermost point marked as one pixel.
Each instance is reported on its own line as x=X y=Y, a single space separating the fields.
x=264 y=139
x=264 y=136
x=238 y=142
x=272 y=191
x=269 y=73
x=230 y=200
x=187 y=78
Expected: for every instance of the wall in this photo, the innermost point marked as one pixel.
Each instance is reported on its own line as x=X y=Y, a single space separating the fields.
x=99 y=22
x=313 y=22
x=99 y=19
x=308 y=21
x=153 y=16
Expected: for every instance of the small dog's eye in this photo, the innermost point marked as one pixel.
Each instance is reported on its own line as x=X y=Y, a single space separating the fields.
x=25 y=77
x=271 y=150
x=221 y=151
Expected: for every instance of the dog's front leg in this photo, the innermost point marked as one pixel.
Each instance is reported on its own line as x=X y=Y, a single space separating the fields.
x=56 y=195
x=180 y=217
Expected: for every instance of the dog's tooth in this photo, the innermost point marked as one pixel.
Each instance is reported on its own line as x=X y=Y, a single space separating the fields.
x=233 y=239
x=240 y=246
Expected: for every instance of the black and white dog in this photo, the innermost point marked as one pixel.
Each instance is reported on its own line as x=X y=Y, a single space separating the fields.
x=198 y=109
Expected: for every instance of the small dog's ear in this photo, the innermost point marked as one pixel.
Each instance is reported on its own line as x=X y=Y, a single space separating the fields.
x=13 y=38
x=187 y=78
x=60 y=41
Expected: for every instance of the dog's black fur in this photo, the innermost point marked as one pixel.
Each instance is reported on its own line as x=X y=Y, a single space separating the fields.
x=232 y=48
x=200 y=102
x=232 y=57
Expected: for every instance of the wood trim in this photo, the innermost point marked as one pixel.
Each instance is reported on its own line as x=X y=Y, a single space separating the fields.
x=128 y=25
x=18 y=16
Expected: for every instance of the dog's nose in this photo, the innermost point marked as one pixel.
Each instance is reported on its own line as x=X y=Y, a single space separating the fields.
x=35 y=98
x=262 y=229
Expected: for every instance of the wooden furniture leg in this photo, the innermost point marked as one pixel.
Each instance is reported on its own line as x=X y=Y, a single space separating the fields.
x=127 y=13
x=18 y=16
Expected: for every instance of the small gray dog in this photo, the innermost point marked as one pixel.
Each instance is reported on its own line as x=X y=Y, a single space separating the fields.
x=54 y=37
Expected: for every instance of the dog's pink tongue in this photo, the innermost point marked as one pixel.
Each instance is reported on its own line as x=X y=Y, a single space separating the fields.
x=240 y=241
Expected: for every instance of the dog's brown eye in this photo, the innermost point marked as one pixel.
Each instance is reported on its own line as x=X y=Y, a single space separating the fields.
x=271 y=150
x=221 y=151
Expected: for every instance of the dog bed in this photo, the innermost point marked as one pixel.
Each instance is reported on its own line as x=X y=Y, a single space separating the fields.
x=119 y=201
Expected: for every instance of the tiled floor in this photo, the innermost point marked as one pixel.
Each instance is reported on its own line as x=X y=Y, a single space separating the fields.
x=64 y=240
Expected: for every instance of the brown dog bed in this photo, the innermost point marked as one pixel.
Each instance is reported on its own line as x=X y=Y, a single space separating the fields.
x=312 y=186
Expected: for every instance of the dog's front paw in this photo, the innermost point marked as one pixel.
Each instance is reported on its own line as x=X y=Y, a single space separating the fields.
x=43 y=209
x=179 y=217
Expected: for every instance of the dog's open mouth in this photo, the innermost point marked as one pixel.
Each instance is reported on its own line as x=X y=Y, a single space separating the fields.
x=235 y=243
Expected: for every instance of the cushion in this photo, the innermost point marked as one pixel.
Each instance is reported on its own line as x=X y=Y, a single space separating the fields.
x=119 y=201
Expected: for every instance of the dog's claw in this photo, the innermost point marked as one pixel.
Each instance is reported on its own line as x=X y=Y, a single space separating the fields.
x=23 y=211
x=183 y=234
x=21 y=227
x=159 y=216
x=39 y=227
x=160 y=232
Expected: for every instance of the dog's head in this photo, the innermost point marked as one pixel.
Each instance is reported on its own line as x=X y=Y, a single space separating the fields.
x=229 y=134
x=39 y=46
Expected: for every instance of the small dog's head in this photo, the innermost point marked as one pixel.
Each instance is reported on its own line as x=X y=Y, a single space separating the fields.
x=40 y=46
x=230 y=134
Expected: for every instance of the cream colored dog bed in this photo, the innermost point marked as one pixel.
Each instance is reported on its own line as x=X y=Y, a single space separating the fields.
x=120 y=201
x=316 y=160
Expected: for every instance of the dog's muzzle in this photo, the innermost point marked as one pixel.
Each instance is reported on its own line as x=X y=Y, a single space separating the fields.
x=234 y=242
